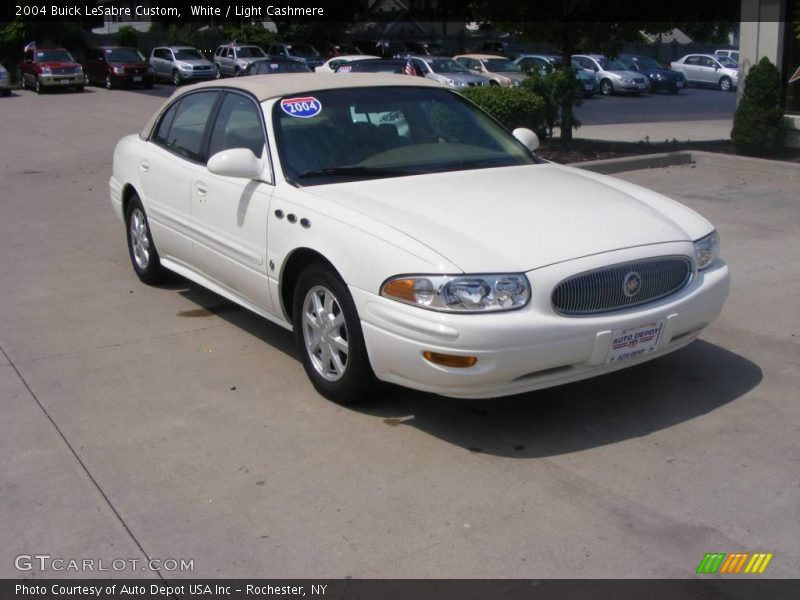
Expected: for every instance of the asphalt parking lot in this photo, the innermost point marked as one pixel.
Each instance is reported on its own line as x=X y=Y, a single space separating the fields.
x=167 y=423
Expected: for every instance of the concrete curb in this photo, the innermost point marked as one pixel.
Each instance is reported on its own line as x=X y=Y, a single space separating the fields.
x=685 y=157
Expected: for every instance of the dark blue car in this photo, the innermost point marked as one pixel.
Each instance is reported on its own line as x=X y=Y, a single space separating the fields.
x=661 y=79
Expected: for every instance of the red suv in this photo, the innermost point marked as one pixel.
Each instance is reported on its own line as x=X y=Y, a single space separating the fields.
x=117 y=66
x=44 y=68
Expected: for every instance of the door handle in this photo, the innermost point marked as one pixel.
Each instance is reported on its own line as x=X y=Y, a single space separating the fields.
x=144 y=166
x=200 y=188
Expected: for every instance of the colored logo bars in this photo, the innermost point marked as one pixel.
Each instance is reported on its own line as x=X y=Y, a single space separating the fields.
x=716 y=562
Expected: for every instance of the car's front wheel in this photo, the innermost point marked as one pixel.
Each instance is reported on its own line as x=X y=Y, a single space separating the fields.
x=176 y=77
x=329 y=338
x=725 y=84
x=37 y=85
x=109 y=82
x=606 y=87
x=142 y=250
x=217 y=72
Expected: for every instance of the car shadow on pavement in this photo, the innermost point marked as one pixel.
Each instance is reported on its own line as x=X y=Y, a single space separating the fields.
x=622 y=405
x=595 y=412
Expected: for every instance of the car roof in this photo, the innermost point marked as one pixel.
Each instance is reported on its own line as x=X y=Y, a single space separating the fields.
x=264 y=87
x=481 y=56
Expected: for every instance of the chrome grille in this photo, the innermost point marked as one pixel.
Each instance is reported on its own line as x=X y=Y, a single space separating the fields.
x=64 y=70
x=603 y=290
x=638 y=79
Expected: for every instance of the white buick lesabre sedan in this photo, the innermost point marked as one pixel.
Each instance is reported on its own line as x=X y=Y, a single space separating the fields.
x=404 y=235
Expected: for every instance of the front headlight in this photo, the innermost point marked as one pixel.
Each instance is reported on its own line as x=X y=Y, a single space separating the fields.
x=184 y=66
x=706 y=250
x=119 y=70
x=460 y=293
x=46 y=71
x=627 y=80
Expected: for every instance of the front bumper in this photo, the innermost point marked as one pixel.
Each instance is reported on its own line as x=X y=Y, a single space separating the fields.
x=631 y=88
x=197 y=75
x=531 y=348
x=61 y=80
x=129 y=80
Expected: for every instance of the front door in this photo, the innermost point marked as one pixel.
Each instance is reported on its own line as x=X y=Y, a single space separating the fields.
x=229 y=214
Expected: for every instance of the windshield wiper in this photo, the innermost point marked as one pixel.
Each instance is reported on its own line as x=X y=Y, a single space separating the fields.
x=353 y=170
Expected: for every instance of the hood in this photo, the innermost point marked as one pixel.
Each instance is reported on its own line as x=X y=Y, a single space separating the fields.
x=130 y=64
x=518 y=218
x=466 y=77
x=626 y=74
x=57 y=64
x=512 y=75
x=197 y=62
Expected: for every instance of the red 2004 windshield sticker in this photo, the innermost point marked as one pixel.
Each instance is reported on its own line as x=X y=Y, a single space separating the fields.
x=302 y=108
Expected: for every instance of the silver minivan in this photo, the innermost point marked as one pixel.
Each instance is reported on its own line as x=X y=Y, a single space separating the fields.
x=180 y=63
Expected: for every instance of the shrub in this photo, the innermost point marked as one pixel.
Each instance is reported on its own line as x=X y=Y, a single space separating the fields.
x=557 y=89
x=128 y=36
x=513 y=107
x=758 y=123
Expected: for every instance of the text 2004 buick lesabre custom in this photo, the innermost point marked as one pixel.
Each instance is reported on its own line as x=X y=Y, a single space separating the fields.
x=403 y=234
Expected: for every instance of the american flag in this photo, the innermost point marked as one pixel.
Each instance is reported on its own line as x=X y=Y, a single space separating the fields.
x=409 y=69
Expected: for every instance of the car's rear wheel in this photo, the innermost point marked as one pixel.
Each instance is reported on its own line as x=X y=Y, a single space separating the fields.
x=329 y=338
x=606 y=87
x=725 y=84
x=142 y=250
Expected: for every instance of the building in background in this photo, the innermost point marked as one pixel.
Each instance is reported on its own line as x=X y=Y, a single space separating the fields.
x=770 y=28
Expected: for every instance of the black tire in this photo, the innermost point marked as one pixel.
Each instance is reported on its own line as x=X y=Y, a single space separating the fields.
x=217 y=72
x=109 y=83
x=37 y=86
x=148 y=268
x=176 y=77
x=86 y=79
x=725 y=84
x=349 y=377
x=493 y=82
x=606 y=87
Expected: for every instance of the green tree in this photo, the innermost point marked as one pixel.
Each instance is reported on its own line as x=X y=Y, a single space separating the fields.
x=128 y=36
x=759 y=126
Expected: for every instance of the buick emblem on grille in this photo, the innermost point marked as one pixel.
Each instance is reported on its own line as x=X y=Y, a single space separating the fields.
x=631 y=284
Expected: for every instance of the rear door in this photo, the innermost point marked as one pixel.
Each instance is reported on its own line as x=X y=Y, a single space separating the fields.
x=176 y=156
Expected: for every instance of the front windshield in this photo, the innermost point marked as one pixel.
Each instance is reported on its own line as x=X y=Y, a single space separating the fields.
x=496 y=65
x=728 y=62
x=340 y=135
x=646 y=62
x=123 y=55
x=614 y=65
x=304 y=50
x=446 y=65
x=250 y=52
x=54 y=56
x=188 y=54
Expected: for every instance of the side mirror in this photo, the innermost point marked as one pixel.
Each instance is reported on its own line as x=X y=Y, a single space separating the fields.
x=528 y=138
x=236 y=162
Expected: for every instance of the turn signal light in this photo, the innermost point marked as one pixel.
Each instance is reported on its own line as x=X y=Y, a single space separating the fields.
x=450 y=360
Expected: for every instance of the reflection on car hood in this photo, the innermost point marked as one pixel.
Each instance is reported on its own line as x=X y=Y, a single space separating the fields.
x=626 y=74
x=467 y=77
x=196 y=62
x=518 y=218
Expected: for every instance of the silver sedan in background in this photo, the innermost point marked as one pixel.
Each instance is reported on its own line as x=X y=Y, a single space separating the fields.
x=611 y=75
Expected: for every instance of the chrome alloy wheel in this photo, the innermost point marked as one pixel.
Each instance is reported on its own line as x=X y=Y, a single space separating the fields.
x=140 y=242
x=325 y=333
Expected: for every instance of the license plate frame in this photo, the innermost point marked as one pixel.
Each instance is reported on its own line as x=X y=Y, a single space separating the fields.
x=633 y=342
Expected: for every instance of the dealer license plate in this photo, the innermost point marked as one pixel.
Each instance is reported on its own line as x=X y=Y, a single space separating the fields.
x=634 y=341
x=63 y=81
x=137 y=79
x=588 y=87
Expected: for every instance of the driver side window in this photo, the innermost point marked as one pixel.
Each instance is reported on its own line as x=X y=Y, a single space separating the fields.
x=238 y=125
